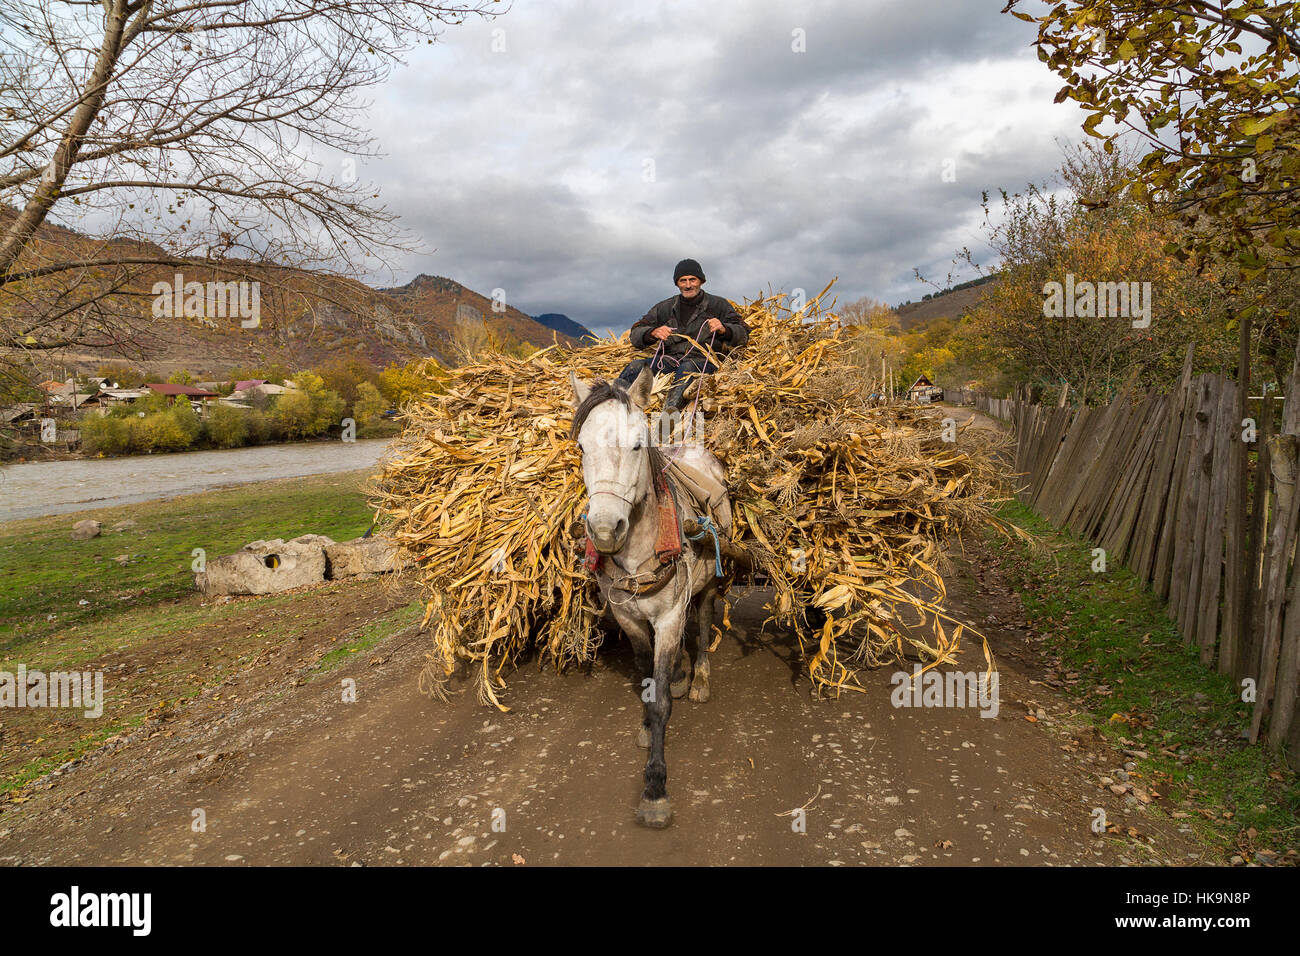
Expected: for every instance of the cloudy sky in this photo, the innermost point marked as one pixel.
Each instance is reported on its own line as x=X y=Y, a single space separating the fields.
x=571 y=151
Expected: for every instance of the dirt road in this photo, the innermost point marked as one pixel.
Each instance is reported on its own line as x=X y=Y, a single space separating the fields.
x=279 y=770
x=36 y=489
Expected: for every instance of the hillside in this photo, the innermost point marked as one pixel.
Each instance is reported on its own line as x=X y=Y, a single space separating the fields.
x=304 y=318
x=944 y=305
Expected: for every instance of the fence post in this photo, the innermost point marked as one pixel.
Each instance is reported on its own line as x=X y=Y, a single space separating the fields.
x=1288 y=654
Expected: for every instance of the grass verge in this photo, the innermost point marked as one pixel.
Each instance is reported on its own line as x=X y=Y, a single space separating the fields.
x=1125 y=661
x=49 y=582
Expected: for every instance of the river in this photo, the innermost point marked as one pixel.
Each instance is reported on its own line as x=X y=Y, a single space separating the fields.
x=37 y=489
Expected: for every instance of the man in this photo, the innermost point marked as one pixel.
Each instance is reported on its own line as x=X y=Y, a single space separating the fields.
x=708 y=319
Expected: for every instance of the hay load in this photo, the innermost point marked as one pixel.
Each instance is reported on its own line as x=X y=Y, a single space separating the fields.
x=843 y=507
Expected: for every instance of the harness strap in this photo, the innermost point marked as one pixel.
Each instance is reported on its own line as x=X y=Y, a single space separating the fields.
x=707 y=527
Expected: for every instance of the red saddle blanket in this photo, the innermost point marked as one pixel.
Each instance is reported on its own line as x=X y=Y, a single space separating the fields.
x=668 y=541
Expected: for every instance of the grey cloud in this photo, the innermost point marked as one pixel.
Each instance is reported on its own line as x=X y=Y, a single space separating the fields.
x=525 y=169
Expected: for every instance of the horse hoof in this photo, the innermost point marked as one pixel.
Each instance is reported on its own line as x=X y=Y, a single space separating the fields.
x=679 y=688
x=700 y=692
x=654 y=813
x=643 y=737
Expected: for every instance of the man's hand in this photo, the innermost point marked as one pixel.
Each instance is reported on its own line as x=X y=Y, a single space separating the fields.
x=661 y=333
x=715 y=325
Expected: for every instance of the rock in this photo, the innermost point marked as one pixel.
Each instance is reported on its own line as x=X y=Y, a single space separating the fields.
x=265 y=567
x=85 y=530
x=362 y=556
x=125 y=525
x=122 y=559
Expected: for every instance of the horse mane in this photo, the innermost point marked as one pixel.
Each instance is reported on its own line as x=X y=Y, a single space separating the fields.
x=601 y=391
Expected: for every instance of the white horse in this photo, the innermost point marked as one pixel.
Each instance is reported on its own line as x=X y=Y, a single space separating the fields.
x=619 y=467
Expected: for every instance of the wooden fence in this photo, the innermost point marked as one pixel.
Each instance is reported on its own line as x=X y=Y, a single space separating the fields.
x=1198 y=503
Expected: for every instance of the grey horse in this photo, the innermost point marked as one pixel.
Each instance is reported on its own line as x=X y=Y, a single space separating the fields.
x=649 y=599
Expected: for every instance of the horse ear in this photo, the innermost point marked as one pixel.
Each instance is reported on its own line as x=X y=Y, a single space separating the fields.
x=580 y=389
x=640 y=390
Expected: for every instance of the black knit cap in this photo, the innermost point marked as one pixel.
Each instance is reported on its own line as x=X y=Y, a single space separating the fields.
x=688 y=267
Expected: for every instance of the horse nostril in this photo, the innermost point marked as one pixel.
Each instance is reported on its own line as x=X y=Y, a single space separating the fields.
x=620 y=528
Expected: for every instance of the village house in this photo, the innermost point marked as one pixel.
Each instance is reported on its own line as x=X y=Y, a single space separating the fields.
x=189 y=392
x=924 y=390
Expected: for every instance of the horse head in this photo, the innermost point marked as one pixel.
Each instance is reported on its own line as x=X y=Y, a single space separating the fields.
x=613 y=436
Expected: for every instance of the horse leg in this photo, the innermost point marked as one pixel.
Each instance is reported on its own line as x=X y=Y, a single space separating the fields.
x=704 y=614
x=638 y=633
x=655 y=810
x=682 y=676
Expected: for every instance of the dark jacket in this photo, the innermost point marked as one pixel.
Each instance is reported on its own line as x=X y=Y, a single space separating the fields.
x=705 y=306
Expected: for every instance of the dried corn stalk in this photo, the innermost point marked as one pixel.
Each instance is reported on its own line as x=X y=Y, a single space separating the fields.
x=845 y=507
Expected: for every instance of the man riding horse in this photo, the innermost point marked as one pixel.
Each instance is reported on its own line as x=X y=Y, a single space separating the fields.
x=708 y=319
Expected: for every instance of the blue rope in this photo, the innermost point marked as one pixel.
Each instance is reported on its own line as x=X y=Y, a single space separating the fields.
x=706 y=525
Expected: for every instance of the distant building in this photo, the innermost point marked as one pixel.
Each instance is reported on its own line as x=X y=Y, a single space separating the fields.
x=258 y=389
x=923 y=390
x=188 y=392
x=120 y=396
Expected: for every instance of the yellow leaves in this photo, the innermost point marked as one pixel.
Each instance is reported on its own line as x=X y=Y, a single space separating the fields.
x=1254 y=125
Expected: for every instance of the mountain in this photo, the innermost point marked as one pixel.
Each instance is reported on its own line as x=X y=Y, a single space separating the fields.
x=564 y=324
x=305 y=318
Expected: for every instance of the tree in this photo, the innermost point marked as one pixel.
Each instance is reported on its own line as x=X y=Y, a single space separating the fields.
x=309 y=409
x=180 y=377
x=346 y=375
x=870 y=313
x=212 y=135
x=1212 y=89
x=124 y=375
x=403 y=383
x=227 y=426
x=1046 y=238
x=275 y=373
x=369 y=404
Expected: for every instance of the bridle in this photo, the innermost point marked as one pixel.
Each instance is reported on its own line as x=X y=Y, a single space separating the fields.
x=632 y=582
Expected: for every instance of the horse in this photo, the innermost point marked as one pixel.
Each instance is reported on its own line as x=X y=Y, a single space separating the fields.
x=624 y=477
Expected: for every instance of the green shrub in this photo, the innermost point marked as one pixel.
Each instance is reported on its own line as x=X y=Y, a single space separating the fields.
x=227 y=426
x=309 y=410
x=105 y=434
x=369 y=404
x=161 y=431
x=187 y=420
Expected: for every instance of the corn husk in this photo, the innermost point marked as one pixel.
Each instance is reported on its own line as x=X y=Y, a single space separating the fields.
x=844 y=507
